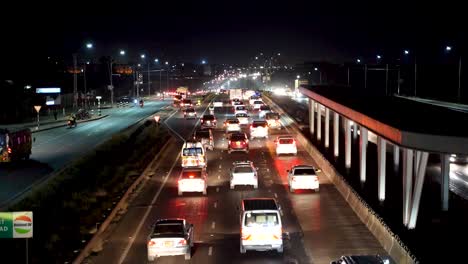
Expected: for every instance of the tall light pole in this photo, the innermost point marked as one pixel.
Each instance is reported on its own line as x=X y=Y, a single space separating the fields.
x=149 y=76
x=75 y=82
x=167 y=76
x=320 y=75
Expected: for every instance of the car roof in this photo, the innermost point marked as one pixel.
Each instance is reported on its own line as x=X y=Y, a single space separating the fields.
x=285 y=137
x=366 y=259
x=250 y=204
x=193 y=169
x=232 y=119
x=303 y=167
x=205 y=116
x=259 y=121
x=242 y=162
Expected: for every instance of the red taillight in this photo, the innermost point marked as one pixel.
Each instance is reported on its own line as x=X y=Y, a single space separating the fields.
x=151 y=243
x=9 y=150
x=182 y=242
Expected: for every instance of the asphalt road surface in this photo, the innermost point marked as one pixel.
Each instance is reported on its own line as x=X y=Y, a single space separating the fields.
x=55 y=148
x=318 y=227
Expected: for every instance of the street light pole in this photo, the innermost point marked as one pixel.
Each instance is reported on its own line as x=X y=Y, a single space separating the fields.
x=75 y=83
x=111 y=86
x=386 y=79
x=459 y=79
x=149 y=80
x=365 y=76
x=84 y=82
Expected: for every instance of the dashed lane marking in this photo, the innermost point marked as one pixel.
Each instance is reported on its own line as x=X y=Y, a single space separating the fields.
x=213 y=225
x=210 y=251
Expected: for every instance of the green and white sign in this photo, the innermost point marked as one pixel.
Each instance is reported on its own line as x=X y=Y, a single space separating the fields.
x=16 y=224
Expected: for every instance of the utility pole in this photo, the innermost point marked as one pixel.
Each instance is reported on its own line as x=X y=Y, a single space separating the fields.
x=75 y=83
x=415 y=75
x=365 y=76
x=459 y=79
x=398 y=84
x=348 y=75
x=386 y=79
x=111 y=86
x=149 y=80
x=84 y=84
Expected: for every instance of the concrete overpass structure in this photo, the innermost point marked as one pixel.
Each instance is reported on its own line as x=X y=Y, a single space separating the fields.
x=411 y=128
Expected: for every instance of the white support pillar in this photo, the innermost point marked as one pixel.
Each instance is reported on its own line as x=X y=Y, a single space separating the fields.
x=445 y=180
x=363 y=154
x=422 y=163
x=396 y=156
x=327 y=127
x=347 y=144
x=417 y=158
x=336 y=123
x=355 y=128
x=319 y=122
x=407 y=183
x=381 y=153
x=311 y=116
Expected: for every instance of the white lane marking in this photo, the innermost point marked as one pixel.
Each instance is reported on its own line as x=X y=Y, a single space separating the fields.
x=210 y=251
x=215 y=204
x=269 y=190
x=219 y=177
x=217 y=189
x=213 y=225
x=132 y=240
x=220 y=166
x=170 y=128
x=276 y=196
x=268 y=170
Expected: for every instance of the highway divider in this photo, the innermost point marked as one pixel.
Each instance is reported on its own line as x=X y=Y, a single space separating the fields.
x=389 y=241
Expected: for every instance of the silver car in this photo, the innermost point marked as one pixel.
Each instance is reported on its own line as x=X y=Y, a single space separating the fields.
x=170 y=237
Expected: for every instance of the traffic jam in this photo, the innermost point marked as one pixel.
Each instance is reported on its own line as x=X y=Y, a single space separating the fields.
x=246 y=120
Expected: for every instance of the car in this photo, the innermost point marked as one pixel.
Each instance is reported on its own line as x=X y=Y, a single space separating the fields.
x=218 y=103
x=259 y=129
x=264 y=109
x=256 y=104
x=238 y=142
x=236 y=101
x=260 y=225
x=285 y=145
x=232 y=124
x=193 y=154
x=124 y=100
x=192 y=180
x=208 y=121
x=458 y=159
x=189 y=112
x=243 y=173
x=170 y=237
x=238 y=109
x=254 y=98
x=364 y=259
x=186 y=103
x=273 y=120
x=205 y=136
x=243 y=118
x=303 y=177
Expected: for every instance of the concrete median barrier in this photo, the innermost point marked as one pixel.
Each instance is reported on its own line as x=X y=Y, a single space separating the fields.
x=389 y=241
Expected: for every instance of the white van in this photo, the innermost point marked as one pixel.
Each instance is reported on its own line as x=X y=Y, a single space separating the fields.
x=261 y=227
x=193 y=154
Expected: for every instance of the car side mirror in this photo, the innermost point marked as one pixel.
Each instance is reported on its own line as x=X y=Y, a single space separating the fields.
x=287 y=171
x=335 y=262
x=318 y=170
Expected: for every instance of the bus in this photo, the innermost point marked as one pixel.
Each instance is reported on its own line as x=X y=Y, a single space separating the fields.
x=15 y=144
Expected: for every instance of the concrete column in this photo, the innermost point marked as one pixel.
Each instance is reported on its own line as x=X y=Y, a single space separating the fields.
x=422 y=161
x=407 y=183
x=363 y=154
x=417 y=158
x=396 y=156
x=327 y=127
x=347 y=144
x=445 y=180
x=336 y=123
x=319 y=122
x=311 y=116
x=355 y=128
x=381 y=153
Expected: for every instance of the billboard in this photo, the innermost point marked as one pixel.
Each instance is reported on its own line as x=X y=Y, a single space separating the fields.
x=48 y=90
x=16 y=224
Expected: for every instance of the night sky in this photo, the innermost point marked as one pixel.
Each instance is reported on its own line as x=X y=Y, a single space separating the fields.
x=230 y=31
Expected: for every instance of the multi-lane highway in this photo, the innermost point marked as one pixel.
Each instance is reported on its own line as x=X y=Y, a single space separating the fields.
x=318 y=227
x=54 y=148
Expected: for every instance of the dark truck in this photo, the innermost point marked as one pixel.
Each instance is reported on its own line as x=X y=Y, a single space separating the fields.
x=15 y=144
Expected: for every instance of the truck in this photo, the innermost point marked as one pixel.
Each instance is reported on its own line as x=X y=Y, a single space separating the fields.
x=247 y=94
x=15 y=144
x=235 y=94
x=183 y=91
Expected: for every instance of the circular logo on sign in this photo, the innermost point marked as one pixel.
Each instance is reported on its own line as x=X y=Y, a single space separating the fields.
x=22 y=224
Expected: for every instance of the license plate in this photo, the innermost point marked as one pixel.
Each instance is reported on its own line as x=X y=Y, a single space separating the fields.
x=168 y=244
x=238 y=143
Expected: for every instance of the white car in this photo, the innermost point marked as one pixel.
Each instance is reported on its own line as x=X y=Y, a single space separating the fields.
x=256 y=104
x=259 y=129
x=285 y=145
x=273 y=120
x=253 y=99
x=238 y=109
x=192 y=180
x=264 y=109
x=244 y=173
x=218 y=103
x=303 y=177
x=170 y=237
x=243 y=118
x=232 y=125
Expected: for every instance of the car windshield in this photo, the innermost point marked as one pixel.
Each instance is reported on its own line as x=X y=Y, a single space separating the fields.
x=190 y=110
x=258 y=124
x=304 y=172
x=272 y=116
x=243 y=169
x=202 y=134
x=167 y=230
x=253 y=219
x=233 y=122
x=186 y=101
x=240 y=108
x=264 y=107
x=241 y=115
x=208 y=117
x=258 y=102
x=191 y=174
x=237 y=137
x=286 y=140
x=192 y=151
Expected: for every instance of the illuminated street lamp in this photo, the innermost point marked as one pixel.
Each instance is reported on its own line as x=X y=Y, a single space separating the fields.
x=448 y=48
x=122 y=52
x=89 y=45
x=203 y=62
x=142 y=56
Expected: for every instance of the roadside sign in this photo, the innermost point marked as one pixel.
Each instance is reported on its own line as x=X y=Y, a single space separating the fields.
x=38 y=108
x=16 y=224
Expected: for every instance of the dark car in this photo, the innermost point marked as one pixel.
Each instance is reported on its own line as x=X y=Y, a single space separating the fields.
x=238 y=142
x=364 y=259
x=189 y=112
x=208 y=121
x=205 y=136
